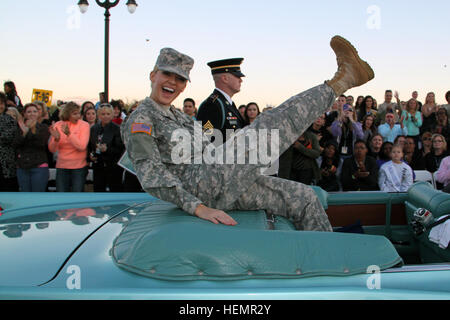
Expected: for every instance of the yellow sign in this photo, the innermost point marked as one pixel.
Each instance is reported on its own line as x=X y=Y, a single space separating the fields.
x=42 y=95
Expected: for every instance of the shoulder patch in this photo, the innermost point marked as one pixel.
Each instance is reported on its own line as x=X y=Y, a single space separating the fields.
x=141 y=128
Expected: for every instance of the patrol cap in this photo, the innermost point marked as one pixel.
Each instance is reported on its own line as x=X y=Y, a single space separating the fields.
x=173 y=61
x=232 y=66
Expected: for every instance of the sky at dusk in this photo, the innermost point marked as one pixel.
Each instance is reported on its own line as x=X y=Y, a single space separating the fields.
x=50 y=45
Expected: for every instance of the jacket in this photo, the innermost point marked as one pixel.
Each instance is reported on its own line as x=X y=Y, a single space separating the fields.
x=31 y=149
x=110 y=135
x=72 y=149
x=8 y=130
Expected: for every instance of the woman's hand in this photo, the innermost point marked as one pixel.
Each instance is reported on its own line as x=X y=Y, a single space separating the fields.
x=214 y=215
x=31 y=124
x=102 y=146
x=23 y=127
x=54 y=132
x=65 y=129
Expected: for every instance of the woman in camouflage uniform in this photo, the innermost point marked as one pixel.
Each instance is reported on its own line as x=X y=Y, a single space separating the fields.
x=205 y=190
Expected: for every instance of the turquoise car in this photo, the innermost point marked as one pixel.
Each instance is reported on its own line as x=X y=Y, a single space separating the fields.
x=133 y=246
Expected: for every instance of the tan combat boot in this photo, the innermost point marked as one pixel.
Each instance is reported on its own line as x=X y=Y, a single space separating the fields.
x=352 y=71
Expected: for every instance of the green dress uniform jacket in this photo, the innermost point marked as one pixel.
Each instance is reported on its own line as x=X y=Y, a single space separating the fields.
x=217 y=113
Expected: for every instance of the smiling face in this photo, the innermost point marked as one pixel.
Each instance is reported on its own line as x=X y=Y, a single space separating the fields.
x=31 y=113
x=90 y=115
x=438 y=143
x=377 y=142
x=166 y=87
x=105 y=115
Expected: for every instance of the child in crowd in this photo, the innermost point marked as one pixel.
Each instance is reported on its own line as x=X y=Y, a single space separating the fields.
x=395 y=175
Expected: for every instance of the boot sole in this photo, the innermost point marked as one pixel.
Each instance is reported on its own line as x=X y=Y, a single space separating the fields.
x=363 y=64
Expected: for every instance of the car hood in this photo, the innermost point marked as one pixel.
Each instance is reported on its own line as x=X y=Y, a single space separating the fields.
x=37 y=244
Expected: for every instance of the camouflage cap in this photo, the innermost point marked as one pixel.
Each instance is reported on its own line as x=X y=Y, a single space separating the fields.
x=173 y=61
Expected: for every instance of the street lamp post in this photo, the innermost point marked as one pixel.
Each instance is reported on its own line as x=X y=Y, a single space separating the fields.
x=107 y=4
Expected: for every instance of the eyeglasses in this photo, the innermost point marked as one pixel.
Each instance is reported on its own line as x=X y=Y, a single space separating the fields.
x=426 y=139
x=437 y=141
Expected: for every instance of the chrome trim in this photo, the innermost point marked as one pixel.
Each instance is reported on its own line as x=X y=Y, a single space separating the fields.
x=420 y=268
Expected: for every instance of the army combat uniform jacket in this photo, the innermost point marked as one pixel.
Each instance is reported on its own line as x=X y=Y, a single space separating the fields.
x=148 y=133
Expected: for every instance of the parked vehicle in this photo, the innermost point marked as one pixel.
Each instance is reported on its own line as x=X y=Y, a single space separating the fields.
x=133 y=246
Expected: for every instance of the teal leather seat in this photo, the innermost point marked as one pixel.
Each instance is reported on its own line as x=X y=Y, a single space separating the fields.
x=423 y=195
x=163 y=242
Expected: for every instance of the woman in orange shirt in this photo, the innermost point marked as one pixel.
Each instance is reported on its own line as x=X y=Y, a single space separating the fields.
x=70 y=137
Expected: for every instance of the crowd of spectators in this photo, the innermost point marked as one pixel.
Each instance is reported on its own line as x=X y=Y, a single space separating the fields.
x=71 y=140
x=363 y=146
x=356 y=145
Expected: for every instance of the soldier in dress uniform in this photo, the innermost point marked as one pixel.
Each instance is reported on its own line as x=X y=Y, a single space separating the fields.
x=207 y=190
x=218 y=111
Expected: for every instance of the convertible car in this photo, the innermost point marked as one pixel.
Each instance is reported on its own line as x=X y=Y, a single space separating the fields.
x=133 y=246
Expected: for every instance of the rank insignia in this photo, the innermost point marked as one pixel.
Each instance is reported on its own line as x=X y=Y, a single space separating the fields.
x=208 y=128
x=141 y=128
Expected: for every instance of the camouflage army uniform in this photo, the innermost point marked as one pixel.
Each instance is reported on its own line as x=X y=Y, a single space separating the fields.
x=226 y=186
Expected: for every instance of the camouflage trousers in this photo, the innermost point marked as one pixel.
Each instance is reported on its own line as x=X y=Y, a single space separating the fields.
x=242 y=187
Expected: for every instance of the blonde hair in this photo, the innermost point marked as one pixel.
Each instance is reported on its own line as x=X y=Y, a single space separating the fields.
x=16 y=112
x=106 y=106
x=408 y=105
x=434 y=97
x=444 y=141
x=397 y=146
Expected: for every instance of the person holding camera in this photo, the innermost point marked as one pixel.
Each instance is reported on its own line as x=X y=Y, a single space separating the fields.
x=346 y=130
x=105 y=149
